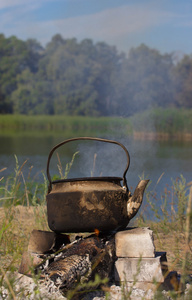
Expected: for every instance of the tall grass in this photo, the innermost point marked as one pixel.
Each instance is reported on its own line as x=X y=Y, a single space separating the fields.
x=172 y=212
x=165 y=123
x=16 y=190
x=175 y=123
x=71 y=125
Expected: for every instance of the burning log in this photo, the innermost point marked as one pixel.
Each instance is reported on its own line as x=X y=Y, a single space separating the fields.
x=80 y=263
x=71 y=264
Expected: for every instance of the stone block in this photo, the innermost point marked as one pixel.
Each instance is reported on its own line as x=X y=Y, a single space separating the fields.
x=135 y=242
x=141 y=269
x=41 y=241
x=29 y=262
x=44 y=241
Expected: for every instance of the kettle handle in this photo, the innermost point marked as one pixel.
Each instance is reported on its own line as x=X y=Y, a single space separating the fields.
x=94 y=139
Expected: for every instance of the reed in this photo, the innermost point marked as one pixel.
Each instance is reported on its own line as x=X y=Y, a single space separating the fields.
x=151 y=124
x=163 y=124
x=68 y=124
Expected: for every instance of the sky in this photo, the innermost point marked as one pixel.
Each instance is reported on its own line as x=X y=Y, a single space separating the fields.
x=165 y=25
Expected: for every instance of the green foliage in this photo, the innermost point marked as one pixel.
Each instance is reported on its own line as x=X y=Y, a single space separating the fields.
x=15 y=57
x=82 y=78
x=182 y=81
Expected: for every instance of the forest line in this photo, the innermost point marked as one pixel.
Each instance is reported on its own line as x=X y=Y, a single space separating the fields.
x=85 y=79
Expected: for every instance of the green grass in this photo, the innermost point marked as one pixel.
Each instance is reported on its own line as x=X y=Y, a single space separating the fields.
x=173 y=123
x=71 y=125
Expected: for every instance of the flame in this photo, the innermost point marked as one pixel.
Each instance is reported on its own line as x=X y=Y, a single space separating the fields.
x=96 y=232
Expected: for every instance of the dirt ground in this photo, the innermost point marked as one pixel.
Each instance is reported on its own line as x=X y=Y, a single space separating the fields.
x=25 y=219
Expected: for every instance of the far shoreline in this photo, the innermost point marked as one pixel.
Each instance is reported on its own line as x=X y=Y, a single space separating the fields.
x=156 y=124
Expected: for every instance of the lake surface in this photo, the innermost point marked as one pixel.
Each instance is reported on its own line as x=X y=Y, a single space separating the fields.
x=151 y=159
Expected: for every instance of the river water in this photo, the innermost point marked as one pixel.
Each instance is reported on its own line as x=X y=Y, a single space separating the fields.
x=159 y=161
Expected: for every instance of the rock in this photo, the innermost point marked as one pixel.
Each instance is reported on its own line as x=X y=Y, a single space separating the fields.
x=29 y=262
x=141 y=269
x=45 y=241
x=135 y=242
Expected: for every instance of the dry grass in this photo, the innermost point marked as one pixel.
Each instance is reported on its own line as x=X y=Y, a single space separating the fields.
x=28 y=218
x=16 y=224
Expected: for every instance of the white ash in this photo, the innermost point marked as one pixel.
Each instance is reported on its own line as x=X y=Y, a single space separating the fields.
x=31 y=289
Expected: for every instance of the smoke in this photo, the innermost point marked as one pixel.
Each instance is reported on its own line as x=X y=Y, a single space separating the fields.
x=101 y=159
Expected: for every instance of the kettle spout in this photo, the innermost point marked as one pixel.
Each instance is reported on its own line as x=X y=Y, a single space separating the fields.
x=135 y=200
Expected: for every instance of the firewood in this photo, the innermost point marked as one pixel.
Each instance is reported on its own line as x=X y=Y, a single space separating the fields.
x=79 y=263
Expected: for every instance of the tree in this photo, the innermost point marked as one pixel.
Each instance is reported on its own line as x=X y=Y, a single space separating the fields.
x=15 y=57
x=143 y=81
x=80 y=74
x=183 y=80
x=33 y=95
x=82 y=78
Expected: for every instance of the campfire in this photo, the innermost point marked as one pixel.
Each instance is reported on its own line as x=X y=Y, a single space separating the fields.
x=68 y=263
x=89 y=237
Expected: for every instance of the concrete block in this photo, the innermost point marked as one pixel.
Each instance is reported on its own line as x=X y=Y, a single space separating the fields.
x=141 y=269
x=135 y=242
